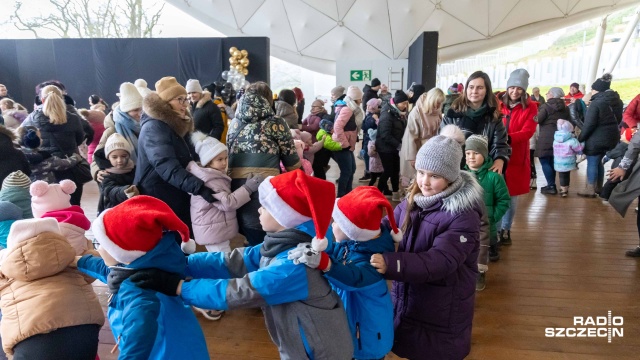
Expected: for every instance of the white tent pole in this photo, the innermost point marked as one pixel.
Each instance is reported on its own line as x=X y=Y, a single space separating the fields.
x=597 y=50
x=624 y=40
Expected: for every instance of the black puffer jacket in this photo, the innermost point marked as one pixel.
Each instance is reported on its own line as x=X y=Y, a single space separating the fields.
x=548 y=115
x=11 y=158
x=163 y=154
x=113 y=185
x=390 y=130
x=485 y=125
x=207 y=117
x=60 y=140
x=368 y=94
x=600 y=131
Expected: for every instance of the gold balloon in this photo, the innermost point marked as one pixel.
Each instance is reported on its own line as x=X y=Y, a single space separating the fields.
x=237 y=55
x=233 y=61
x=244 y=53
x=244 y=62
x=239 y=68
x=245 y=72
x=232 y=50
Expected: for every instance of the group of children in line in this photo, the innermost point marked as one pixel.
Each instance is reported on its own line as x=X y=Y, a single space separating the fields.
x=324 y=296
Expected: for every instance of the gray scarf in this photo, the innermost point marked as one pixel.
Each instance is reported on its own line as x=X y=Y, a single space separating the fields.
x=425 y=202
x=277 y=242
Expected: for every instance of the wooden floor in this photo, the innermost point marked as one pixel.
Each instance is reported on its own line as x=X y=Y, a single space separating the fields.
x=567 y=259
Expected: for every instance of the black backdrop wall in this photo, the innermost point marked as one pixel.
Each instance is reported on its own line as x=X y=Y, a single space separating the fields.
x=99 y=66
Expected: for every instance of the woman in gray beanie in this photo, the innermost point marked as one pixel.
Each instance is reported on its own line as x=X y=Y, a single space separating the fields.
x=435 y=267
x=518 y=112
x=548 y=115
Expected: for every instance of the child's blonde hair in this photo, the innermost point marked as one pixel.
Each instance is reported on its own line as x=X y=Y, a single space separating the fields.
x=432 y=101
x=412 y=190
x=53 y=105
x=8 y=103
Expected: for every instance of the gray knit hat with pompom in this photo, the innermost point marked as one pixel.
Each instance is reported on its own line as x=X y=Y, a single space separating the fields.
x=442 y=154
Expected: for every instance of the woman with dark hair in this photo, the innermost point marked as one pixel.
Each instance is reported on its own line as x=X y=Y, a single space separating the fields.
x=299 y=103
x=258 y=141
x=285 y=108
x=476 y=112
x=518 y=112
x=96 y=103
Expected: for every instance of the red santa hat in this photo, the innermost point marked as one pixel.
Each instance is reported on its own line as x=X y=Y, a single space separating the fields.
x=359 y=213
x=131 y=229
x=294 y=198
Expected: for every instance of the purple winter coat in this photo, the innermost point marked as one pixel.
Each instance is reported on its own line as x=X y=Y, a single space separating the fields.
x=434 y=276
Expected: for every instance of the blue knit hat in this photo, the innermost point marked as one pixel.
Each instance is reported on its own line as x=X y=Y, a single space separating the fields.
x=31 y=140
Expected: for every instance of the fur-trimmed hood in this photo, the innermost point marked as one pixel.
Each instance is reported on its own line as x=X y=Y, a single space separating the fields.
x=206 y=97
x=466 y=198
x=161 y=110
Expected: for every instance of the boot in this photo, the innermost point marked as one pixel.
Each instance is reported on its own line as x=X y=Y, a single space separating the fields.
x=481 y=281
x=633 y=253
x=533 y=184
x=505 y=237
x=549 y=190
x=588 y=191
x=598 y=186
x=494 y=254
x=564 y=191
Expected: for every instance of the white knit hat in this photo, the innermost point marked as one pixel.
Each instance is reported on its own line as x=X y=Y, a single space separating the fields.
x=193 y=85
x=22 y=230
x=140 y=83
x=117 y=142
x=207 y=147
x=354 y=93
x=143 y=89
x=130 y=98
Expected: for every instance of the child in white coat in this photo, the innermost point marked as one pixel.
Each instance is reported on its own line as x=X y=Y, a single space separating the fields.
x=215 y=224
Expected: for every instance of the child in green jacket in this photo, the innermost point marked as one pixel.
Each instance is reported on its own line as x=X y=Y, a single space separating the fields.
x=496 y=194
x=326 y=129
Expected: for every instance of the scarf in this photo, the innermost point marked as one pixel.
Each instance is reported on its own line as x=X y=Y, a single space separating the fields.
x=277 y=242
x=127 y=168
x=425 y=202
x=479 y=112
x=129 y=128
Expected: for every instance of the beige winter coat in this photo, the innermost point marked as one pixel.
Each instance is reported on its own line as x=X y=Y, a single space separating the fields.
x=40 y=293
x=420 y=128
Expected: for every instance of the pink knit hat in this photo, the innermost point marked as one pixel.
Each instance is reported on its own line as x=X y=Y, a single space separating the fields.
x=45 y=197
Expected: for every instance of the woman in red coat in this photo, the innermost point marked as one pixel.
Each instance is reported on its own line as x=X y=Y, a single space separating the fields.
x=518 y=112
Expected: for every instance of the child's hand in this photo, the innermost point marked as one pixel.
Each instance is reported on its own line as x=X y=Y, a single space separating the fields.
x=377 y=261
x=324 y=137
x=74 y=263
x=131 y=191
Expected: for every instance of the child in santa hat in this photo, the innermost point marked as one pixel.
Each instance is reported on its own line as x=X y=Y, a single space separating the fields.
x=117 y=184
x=364 y=292
x=143 y=232
x=49 y=310
x=435 y=268
x=53 y=201
x=304 y=316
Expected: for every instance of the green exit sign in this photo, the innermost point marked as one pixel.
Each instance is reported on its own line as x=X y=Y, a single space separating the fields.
x=360 y=75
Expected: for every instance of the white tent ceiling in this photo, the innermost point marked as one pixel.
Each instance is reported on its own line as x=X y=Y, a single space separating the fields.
x=316 y=33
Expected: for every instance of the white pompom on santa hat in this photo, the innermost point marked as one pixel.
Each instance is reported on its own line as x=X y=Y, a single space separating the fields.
x=131 y=229
x=359 y=213
x=294 y=198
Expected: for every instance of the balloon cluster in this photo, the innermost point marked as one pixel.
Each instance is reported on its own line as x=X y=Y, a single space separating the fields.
x=238 y=63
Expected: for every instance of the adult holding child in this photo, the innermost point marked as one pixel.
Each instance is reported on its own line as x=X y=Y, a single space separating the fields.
x=164 y=152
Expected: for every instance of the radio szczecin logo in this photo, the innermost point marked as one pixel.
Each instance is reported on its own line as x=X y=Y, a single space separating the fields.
x=590 y=327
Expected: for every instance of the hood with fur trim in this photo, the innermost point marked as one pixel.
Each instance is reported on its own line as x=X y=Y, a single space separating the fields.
x=161 y=110
x=206 y=97
x=466 y=198
x=8 y=133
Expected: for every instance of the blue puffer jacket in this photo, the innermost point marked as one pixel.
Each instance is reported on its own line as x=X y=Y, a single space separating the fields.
x=364 y=294
x=301 y=311
x=147 y=324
